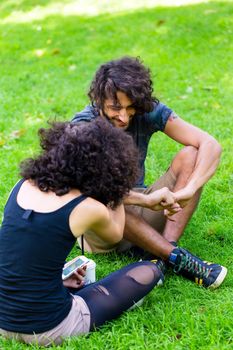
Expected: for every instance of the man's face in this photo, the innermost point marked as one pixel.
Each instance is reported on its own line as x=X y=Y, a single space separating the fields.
x=121 y=113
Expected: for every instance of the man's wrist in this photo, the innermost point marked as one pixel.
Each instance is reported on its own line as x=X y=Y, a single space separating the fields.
x=191 y=187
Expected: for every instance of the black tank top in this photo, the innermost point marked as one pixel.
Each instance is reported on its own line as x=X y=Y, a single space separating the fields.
x=33 y=250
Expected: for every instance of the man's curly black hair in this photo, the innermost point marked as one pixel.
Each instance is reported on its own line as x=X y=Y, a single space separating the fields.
x=128 y=75
x=94 y=157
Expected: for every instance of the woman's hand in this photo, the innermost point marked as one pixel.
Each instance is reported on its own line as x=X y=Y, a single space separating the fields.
x=162 y=199
x=76 y=280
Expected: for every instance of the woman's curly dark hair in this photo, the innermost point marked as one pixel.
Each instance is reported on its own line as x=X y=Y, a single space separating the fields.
x=127 y=75
x=94 y=157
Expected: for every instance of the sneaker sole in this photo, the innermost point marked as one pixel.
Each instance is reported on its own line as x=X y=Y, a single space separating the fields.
x=160 y=282
x=137 y=304
x=220 y=279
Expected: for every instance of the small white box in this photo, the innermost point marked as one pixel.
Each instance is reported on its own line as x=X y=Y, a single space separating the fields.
x=90 y=272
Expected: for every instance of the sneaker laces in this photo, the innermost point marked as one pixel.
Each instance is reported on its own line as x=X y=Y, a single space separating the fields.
x=188 y=263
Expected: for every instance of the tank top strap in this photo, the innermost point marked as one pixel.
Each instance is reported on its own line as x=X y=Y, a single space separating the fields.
x=63 y=214
x=14 y=192
x=73 y=203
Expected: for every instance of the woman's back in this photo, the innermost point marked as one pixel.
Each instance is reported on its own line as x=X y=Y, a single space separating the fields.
x=33 y=249
x=30 y=196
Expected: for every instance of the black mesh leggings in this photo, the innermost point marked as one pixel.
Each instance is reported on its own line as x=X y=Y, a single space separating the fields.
x=110 y=296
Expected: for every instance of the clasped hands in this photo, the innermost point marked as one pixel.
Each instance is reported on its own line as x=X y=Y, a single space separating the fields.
x=170 y=202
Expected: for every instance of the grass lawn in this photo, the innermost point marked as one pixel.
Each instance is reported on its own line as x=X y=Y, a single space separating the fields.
x=48 y=55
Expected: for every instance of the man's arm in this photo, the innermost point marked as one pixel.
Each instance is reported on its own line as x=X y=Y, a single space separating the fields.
x=208 y=157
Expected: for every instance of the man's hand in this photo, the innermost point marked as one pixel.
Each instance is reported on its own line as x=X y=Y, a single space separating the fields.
x=76 y=280
x=184 y=195
x=169 y=212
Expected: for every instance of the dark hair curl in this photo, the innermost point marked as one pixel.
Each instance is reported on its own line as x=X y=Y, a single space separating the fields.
x=94 y=157
x=127 y=75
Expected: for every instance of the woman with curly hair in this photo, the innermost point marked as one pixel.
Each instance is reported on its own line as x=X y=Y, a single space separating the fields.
x=77 y=183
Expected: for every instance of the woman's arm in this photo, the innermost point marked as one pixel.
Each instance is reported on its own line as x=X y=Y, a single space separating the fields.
x=157 y=200
x=107 y=223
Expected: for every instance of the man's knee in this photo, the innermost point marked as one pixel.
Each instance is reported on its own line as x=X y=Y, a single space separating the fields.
x=185 y=160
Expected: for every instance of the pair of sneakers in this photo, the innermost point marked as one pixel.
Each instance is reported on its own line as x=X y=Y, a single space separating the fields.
x=186 y=264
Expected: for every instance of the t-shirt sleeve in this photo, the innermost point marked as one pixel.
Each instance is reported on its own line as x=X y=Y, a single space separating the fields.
x=157 y=119
x=84 y=116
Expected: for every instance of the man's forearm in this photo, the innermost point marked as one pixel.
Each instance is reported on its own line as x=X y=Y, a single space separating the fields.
x=207 y=162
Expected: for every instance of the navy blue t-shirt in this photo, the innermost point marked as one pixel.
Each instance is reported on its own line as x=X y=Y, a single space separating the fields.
x=33 y=250
x=141 y=128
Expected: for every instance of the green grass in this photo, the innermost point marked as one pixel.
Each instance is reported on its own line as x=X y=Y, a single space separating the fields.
x=45 y=69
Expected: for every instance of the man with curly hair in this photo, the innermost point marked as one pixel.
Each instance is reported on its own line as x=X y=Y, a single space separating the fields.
x=122 y=93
